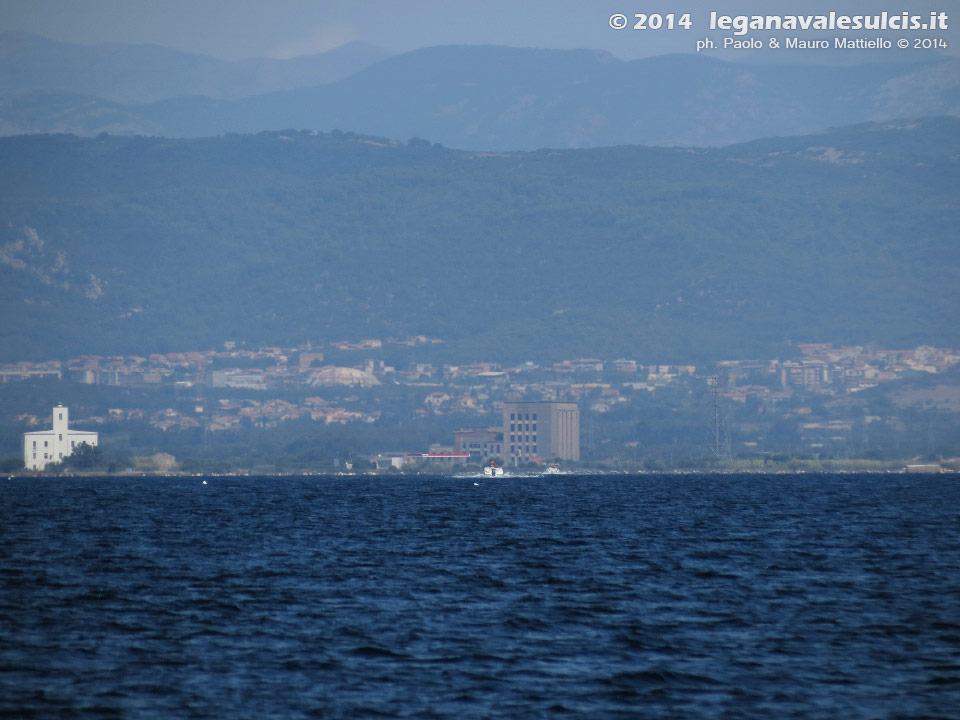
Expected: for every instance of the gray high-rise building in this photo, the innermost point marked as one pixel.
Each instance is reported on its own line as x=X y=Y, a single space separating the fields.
x=544 y=430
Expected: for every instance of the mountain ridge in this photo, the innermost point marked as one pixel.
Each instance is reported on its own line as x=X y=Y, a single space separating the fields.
x=140 y=73
x=492 y=98
x=686 y=100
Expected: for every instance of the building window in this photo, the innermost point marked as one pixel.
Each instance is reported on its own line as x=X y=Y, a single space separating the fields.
x=61 y=416
x=534 y=416
x=34 y=444
x=511 y=416
x=534 y=426
x=60 y=437
x=45 y=443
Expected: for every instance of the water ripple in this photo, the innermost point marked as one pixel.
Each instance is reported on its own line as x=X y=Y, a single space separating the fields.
x=668 y=597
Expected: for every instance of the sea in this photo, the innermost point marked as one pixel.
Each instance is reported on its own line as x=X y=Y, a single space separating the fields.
x=595 y=596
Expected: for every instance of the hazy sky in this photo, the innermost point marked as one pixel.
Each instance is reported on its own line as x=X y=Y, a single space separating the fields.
x=233 y=29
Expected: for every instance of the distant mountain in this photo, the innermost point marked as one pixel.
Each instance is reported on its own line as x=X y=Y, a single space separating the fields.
x=114 y=244
x=495 y=98
x=145 y=73
x=474 y=97
x=66 y=112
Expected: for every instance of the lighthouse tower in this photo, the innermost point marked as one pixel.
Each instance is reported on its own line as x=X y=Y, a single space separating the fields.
x=51 y=446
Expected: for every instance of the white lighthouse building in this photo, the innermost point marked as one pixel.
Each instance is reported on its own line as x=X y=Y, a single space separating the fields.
x=52 y=446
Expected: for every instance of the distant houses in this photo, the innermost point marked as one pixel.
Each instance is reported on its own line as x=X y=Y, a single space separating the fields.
x=519 y=414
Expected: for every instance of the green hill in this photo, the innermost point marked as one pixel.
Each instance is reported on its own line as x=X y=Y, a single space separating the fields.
x=112 y=244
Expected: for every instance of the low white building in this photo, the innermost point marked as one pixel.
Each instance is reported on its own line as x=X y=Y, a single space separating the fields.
x=51 y=446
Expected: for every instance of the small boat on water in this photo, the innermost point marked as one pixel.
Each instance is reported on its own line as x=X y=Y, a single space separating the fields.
x=492 y=470
x=553 y=469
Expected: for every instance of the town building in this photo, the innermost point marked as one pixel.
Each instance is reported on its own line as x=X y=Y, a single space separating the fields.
x=309 y=360
x=541 y=430
x=43 y=447
x=435 y=460
x=480 y=444
x=807 y=374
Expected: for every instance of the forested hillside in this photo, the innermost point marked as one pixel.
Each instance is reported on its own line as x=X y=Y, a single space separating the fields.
x=140 y=244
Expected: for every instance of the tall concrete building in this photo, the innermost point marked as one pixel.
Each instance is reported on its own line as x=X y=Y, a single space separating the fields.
x=51 y=446
x=544 y=430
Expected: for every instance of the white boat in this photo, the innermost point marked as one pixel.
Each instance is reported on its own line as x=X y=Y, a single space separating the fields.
x=552 y=469
x=492 y=470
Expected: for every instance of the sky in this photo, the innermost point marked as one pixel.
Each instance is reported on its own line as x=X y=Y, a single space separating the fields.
x=237 y=29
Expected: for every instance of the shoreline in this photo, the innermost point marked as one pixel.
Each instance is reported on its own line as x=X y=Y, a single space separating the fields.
x=591 y=472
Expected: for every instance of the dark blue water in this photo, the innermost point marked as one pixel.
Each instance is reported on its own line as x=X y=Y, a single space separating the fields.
x=602 y=597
